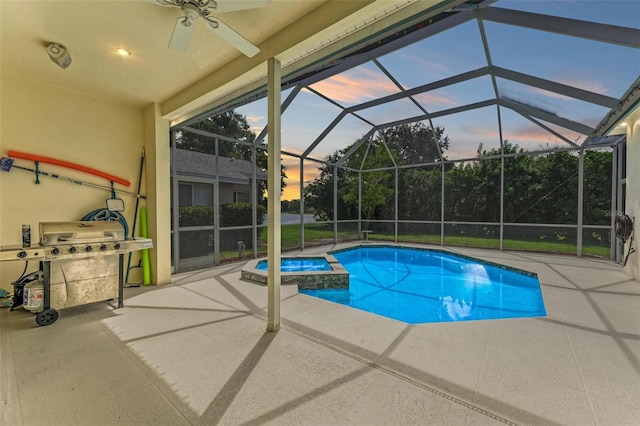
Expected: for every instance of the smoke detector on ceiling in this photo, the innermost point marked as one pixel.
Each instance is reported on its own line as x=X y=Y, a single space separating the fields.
x=59 y=54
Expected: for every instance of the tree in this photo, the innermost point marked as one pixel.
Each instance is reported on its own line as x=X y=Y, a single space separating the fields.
x=290 y=206
x=472 y=189
x=407 y=144
x=318 y=195
x=597 y=196
x=420 y=193
x=597 y=187
x=376 y=185
x=230 y=124
x=415 y=143
x=233 y=125
x=538 y=188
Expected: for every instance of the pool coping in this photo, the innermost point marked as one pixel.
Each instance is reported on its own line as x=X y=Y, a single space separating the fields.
x=336 y=278
x=436 y=250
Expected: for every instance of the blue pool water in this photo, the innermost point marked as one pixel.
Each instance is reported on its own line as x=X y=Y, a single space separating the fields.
x=298 y=265
x=418 y=286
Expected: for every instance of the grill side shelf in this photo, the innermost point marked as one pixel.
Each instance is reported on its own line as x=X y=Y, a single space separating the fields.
x=21 y=253
x=136 y=244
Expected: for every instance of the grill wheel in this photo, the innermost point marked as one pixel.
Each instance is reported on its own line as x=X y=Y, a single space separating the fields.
x=47 y=317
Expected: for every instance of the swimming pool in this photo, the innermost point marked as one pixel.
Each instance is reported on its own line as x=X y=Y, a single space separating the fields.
x=418 y=286
x=298 y=264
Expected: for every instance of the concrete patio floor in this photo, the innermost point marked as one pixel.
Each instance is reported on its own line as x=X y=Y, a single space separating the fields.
x=196 y=352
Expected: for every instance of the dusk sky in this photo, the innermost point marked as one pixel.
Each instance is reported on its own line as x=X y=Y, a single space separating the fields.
x=598 y=67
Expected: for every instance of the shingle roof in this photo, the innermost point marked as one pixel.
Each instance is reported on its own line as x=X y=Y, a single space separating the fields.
x=204 y=165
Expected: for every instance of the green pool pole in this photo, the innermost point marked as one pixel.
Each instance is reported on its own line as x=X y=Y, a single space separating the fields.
x=144 y=232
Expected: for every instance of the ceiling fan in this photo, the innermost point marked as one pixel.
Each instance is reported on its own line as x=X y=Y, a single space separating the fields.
x=205 y=9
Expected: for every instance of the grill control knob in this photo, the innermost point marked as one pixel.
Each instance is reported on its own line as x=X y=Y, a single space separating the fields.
x=22 y=254
x=88 y=249
x=116 y=246
x=72 y=250
x=55 y=251
x=103 y=247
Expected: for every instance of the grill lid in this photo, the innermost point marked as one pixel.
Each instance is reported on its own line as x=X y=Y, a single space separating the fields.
x=52 y=233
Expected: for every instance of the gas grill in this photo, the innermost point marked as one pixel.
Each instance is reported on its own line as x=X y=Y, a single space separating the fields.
x=81 y=240
x=82 y=262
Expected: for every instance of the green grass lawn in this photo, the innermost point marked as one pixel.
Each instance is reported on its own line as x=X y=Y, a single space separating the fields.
x=319 y=234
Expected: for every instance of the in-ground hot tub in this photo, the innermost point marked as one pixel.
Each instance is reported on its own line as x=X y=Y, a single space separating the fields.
x=299 y=264
x=308 y=272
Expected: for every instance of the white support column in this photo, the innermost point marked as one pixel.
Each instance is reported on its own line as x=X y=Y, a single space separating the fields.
x=273 y=205
x=158 y=201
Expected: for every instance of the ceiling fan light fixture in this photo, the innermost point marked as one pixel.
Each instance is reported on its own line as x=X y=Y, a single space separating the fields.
x=59 y=55
x=194 y=9
x=191 y=12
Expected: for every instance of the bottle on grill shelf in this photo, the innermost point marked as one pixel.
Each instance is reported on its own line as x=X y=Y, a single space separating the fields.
x=26 y=235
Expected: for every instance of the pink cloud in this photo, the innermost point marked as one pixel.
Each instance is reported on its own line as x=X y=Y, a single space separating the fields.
x=310 y=172
x=435 y=98
x=482 y=133
x=356 y=87
x=254 y=118
x=465 y=141
x=539 y=136
x=288 y=158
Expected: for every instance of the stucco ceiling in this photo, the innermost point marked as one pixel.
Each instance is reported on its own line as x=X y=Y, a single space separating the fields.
x=179 y=81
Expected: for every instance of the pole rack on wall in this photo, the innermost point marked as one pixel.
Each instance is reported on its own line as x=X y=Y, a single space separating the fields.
x=6 y=164
x=69 y=165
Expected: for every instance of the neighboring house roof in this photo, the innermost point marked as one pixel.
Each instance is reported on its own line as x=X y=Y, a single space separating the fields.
x=198 y=164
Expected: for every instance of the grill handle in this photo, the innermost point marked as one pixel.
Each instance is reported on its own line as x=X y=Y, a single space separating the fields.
x=74 y=239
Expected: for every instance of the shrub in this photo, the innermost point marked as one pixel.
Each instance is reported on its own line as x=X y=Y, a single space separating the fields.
x=239 y=214
x=196 y=216
x=230 y=215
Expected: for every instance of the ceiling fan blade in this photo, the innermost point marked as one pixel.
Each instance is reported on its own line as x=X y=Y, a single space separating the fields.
x=182 y=33
x=233 y=38
x=231 y=5
x=166 y=3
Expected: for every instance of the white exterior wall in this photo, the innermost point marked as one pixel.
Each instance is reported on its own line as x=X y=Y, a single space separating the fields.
x=40 y=119
x=633 y=189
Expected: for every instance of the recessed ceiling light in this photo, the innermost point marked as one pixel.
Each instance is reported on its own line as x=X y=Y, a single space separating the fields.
x=123 y=52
